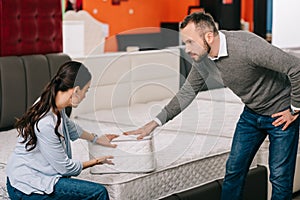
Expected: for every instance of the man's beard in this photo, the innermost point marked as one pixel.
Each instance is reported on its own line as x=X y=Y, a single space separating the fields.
x=207 y=50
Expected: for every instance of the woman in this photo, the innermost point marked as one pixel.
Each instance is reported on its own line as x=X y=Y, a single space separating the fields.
x=41 y=164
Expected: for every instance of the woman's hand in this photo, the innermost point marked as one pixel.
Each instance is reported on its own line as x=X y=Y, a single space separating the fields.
x=104 y=160
x=105 y=140
x=285 y=117
x=98 y=161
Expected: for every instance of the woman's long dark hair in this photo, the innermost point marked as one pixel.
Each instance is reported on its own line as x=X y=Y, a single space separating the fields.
x=69 y=75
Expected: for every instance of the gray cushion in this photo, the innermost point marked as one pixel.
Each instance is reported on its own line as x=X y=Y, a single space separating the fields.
x=22 y=78
x=12 y=90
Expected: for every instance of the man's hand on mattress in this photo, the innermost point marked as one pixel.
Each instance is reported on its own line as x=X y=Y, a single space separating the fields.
x=143 y=131
x=105 y=140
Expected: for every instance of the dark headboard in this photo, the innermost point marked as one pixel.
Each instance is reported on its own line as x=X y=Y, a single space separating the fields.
x=22 y=79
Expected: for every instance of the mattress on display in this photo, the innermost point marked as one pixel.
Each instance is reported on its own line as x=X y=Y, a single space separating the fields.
x=189 y=151
x=183 y=161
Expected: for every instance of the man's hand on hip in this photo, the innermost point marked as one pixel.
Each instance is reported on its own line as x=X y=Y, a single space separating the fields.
x=285 y=117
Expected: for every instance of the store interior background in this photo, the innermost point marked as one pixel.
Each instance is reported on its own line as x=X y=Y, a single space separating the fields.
x=274 y=20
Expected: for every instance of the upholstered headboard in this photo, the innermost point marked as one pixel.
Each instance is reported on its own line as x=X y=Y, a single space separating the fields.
x=30 y=46
x=30 y=27
x=21 y=80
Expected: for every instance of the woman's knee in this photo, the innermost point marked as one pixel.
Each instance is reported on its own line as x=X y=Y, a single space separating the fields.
x=103 y=193
x=100 y=192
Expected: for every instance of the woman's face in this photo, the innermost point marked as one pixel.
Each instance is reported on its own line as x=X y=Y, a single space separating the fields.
x=79 y=94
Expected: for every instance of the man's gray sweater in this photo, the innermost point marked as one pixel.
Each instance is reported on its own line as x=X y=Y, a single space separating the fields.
x=266 y=78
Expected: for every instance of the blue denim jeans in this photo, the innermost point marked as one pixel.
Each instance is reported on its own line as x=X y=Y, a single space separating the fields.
x=66 y=189
x=251 y=130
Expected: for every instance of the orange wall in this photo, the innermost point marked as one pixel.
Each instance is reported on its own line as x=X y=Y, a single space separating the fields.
x=146 y=13
x=176 y=10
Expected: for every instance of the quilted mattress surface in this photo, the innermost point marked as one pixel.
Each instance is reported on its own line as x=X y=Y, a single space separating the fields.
x=183 y=161
x=213 y=112
x=130 y=155
x=189 y=150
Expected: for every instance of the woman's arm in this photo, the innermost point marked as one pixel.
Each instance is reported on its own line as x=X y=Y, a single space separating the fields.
x=104 y=140
x=75 y=131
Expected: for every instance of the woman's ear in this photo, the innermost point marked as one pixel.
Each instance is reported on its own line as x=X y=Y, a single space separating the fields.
x=76 y=89
x=73 y=91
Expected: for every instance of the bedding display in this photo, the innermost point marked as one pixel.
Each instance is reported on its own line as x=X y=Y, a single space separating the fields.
x=183 y=161
x=189 y=151
x=127 y=90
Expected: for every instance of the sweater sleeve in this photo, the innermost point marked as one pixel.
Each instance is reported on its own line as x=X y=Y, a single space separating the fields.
x=187 y=93
x=273 y=58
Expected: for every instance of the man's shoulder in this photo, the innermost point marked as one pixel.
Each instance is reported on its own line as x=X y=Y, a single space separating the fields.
x=238 y=34
x=239 y=39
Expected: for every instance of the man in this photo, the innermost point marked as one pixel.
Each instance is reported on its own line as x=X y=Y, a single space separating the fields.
x=268 y=82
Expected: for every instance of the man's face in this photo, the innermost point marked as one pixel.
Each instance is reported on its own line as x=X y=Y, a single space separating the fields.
x=195 y=45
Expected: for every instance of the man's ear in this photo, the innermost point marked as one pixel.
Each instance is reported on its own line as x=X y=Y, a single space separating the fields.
x=209 y=37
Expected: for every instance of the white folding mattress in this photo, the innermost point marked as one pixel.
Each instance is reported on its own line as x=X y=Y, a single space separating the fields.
x=129 y=156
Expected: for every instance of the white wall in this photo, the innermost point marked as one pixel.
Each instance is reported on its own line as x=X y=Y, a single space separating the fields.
x=286 y=29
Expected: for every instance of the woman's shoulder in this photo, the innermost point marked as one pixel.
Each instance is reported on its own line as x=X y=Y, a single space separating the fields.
x=49 y=117
x=47 y=121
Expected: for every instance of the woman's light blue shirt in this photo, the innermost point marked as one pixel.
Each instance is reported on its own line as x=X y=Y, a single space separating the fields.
x=38 y=170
